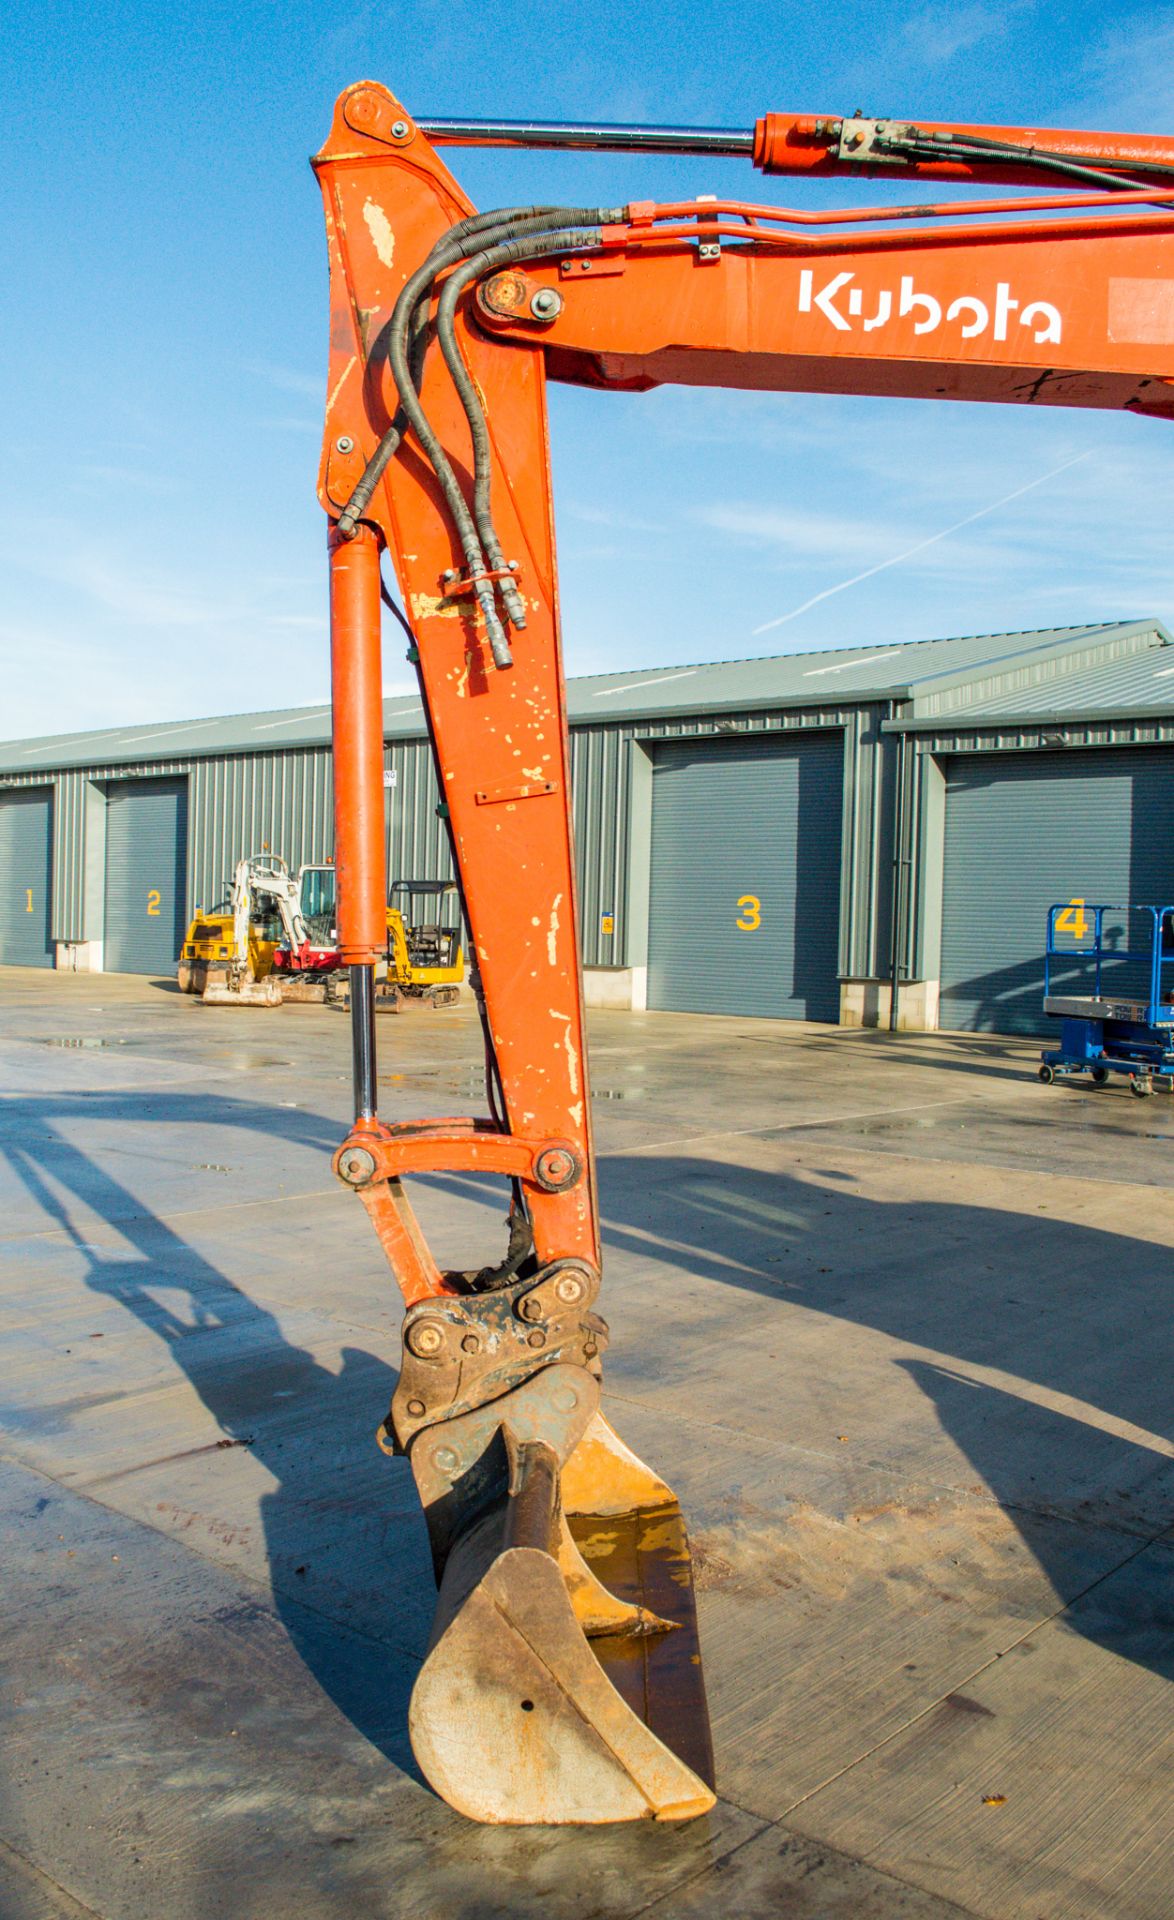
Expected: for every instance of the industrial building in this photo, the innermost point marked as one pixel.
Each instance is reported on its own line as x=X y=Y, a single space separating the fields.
x=779 y=837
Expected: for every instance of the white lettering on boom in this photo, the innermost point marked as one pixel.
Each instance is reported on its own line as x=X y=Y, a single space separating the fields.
x=841 y=304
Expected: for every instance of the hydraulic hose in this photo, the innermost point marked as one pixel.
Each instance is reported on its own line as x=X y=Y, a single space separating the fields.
x=449 y=244
x=406 y=349
x=488 y=260
x=916 y=145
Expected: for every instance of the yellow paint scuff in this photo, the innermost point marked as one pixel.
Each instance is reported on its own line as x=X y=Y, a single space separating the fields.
x=379 y=227
x=552 y=931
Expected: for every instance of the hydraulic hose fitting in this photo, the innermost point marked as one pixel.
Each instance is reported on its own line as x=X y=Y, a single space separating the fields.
x=499 y=645
x=515 y=606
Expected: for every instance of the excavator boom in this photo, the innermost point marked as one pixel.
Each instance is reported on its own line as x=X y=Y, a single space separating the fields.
x=563 y=1681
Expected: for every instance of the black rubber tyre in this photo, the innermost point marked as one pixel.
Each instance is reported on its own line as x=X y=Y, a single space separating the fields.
x=1047 y=1075
x=1099 y=1076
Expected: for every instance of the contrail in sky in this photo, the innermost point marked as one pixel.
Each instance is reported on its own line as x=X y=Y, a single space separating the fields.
x=909 y=552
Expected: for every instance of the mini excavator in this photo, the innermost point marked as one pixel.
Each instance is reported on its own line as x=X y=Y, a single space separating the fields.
x=562 y=1682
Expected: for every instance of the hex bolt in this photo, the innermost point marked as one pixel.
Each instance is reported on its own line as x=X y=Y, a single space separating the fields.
x=546 y=304
x=398 y=129
x=344 y=443
x=555 y=1169
x=416 y=1408
x=530 y=1308
x=569 y=1287
x=470 y=1343
x=425 y=1337
x=536 y=1339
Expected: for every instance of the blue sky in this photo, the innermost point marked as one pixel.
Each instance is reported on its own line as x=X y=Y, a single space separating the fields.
x=163 y=345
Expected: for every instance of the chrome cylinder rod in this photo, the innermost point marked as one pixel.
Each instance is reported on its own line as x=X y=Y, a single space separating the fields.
x=594 y=135
x=362 y=983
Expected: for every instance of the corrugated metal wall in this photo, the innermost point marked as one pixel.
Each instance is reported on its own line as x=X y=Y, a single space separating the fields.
x=417 y=842
x=282 y=801
x=26 y=842
x=744 y=913
x=278 y=803
x=1024 y=831
x=146 y=864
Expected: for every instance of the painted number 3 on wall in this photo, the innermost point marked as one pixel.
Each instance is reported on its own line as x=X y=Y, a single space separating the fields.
x=749 y=913
x=153 y=902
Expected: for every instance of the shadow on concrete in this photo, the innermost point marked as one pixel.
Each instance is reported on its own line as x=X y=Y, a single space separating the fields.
x=1068 y=1309
x=341 y=1524
x=1072 y=1309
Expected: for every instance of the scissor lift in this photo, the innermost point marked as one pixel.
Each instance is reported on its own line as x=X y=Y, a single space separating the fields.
x=1120 y=1017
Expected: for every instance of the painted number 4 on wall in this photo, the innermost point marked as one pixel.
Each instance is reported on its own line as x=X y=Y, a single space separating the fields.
x=749 y=913
x=1073 y=920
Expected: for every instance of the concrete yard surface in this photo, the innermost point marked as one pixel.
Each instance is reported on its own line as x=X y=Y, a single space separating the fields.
x=893 y=1319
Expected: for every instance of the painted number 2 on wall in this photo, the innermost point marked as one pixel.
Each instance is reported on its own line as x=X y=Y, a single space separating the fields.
x=749 y=913
x=153 y=902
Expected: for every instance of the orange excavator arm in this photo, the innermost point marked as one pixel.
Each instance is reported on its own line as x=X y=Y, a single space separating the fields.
x=557 y=1689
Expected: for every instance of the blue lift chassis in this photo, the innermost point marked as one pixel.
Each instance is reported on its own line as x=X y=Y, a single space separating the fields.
x=1130 y=1032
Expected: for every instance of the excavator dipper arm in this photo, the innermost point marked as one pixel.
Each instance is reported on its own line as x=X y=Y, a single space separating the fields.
x=563 y=1681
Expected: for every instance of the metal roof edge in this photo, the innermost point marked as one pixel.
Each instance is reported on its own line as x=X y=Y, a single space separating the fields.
x=762 y=703
x=37 y=756
x=1077 y=640
x=978 y=722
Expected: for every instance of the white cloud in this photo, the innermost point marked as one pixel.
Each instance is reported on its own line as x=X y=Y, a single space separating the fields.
x=940 y=33
x=290 y=379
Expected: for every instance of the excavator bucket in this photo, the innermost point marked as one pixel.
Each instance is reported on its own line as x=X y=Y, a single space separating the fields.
x=562 y=1683
x=246 y=993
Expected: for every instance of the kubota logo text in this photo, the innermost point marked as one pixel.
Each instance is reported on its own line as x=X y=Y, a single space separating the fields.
x=841 y=303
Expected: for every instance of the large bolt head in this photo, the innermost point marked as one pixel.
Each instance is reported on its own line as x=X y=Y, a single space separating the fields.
x=530 y=1308
x=570 y=1287
x=356 y=1166
x=425 y=1337
x=555 y=1169
x=546 y=304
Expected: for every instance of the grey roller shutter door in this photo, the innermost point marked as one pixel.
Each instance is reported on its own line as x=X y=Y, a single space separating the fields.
x=146 y=858
x=744 y=911
x=1025 y=830
x=26 y=866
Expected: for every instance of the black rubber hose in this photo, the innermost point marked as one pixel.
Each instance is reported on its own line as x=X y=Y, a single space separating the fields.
x=1043 y=156
x=521 y=1245
x=398 y=357
x=925 y=147
x=480 y=263
x=447 y=249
